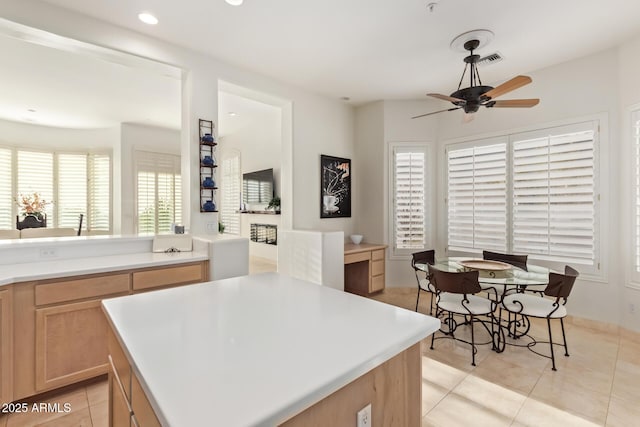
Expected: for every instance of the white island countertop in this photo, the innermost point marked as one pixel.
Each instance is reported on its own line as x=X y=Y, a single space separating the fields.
x=254 y=350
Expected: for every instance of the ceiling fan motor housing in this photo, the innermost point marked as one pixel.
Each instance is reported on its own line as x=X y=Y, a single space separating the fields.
x=472 y=97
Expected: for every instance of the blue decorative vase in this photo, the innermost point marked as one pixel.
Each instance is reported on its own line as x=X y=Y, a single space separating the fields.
x=209 y=206
x=208 y=182
x=207 y=138
x=207 y=161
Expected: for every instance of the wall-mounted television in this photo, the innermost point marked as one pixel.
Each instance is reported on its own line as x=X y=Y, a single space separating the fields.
x=258 y=187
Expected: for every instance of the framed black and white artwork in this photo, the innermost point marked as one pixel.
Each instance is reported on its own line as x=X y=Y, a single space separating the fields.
x=335 y=187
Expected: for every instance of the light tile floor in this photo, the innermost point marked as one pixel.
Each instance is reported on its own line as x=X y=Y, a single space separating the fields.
x=598 y=385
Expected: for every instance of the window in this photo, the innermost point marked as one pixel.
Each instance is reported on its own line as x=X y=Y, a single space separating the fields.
x=477 y=196
x=158 y=197
x=535 y=194
x=76 y=183
x=409 y=186
x=231 y=178
x=7 y=205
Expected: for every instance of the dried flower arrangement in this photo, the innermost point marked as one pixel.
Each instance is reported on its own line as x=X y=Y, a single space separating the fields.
x=31 y=204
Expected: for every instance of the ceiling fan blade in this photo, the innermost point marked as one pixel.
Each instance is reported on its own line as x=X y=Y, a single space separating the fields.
x=445 y=97
x=436 y=112
x=507 y=86
x=513 y=103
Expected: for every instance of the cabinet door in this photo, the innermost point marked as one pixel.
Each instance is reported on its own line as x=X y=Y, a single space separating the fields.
x=119 y=411
x=71 y=344
x=142 y=410
x=6 y=347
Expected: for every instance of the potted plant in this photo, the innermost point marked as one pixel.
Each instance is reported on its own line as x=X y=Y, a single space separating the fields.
x=274 y=204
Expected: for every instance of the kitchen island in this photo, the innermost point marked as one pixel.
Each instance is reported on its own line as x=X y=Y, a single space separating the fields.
x=263 y=350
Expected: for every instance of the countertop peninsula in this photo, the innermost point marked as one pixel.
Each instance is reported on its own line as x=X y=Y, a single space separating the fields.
x=254 y=350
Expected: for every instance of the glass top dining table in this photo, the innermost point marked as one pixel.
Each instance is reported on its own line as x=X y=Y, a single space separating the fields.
x=534 y=275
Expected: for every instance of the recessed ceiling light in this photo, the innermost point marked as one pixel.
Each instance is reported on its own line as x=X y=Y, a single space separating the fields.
x=232 y=113
x=147 y=18
x=234 y=2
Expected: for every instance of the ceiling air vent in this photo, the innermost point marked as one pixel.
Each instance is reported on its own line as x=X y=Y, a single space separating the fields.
x=490 y=59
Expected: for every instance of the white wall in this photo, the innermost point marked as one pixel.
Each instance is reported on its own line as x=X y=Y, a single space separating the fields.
x=60 y=139
x=320 y=125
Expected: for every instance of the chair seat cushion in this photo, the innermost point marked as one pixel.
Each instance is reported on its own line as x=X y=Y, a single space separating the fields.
x=426 y=285
x=453 y=303
x=533 y=305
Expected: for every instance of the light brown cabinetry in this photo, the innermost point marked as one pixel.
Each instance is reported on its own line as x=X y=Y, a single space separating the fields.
x=71 y=344
x=60 y=332
x=6 y=346
x=128 y=404
x=364 y=268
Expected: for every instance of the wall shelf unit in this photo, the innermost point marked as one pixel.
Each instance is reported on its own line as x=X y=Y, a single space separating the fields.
x=208 y=165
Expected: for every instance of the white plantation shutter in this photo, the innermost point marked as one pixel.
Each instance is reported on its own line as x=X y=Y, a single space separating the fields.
x=35 y=175
x=231 y=178
x=75 y=183
x=554 y=193
x=477 y=197
x=146 y=202
x=7 y=219
x=99 y=214
x=409 y=187
x=158 y=194
x=71 y=200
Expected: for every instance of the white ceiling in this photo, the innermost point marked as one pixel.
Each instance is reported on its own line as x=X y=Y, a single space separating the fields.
x=76 y=90
x=377 y=49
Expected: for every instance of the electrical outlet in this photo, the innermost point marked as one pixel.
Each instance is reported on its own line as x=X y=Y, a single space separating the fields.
x=364 y=416
x=632 y=308
x=48 y=253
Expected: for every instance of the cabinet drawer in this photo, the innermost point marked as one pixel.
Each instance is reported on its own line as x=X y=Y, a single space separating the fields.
x=361 y=256
x=90 y=287
x=377 y=268
x=377 y=283
x=142 y=410
x=376 y=255
x=148 y=279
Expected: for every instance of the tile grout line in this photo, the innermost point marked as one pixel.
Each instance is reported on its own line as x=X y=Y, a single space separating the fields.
x=613 y=379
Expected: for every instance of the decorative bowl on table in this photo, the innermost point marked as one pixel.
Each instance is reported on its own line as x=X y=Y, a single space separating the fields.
x=487 y=268
x=356 y=238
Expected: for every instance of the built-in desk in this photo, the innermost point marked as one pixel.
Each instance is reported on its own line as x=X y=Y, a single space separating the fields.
x=364 y=268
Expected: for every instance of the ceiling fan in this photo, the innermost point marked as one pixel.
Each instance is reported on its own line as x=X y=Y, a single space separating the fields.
x=471 y=98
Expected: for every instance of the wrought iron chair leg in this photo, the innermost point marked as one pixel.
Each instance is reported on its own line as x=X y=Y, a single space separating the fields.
x=564 y=338
x=431 y=305
x=473 y=345
x=433 y=335
x=418 y=299
x=553 y=358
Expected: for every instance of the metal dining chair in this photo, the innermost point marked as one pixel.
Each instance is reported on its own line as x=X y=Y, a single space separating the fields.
x=559 y=288
x=455 y=295
x=519 y=261
x=422 y=277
